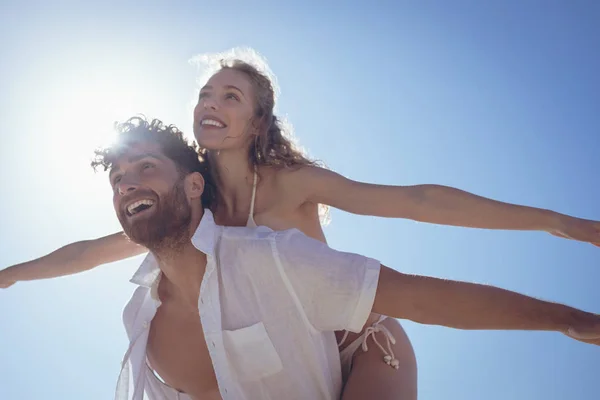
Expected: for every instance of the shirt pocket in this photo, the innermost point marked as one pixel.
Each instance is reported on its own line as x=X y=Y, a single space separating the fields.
x=251 y=353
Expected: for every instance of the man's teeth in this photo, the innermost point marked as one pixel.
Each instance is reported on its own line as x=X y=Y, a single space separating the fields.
x=133 y=207
x=213 y=123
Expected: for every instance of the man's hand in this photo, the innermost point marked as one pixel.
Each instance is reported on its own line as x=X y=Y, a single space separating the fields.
x=5 y=280
x=584 y=230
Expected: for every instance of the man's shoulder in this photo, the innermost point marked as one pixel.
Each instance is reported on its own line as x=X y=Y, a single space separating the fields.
x=264 y=234
x=243 y=233
x=258 y=242
x=291 y=240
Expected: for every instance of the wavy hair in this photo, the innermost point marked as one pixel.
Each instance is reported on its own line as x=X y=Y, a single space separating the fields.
x=274 y=144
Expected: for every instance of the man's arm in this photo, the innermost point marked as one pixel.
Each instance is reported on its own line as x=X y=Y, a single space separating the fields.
x=338 y=291
x=72 y=258
x=463 y=305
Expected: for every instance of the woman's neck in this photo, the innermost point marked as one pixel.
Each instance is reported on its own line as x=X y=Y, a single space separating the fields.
x=234 y=178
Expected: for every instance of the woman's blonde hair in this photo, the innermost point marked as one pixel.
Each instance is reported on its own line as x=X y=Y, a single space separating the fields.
x=274 y=144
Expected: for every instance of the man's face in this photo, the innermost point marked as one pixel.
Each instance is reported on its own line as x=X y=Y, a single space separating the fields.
x=149 y=197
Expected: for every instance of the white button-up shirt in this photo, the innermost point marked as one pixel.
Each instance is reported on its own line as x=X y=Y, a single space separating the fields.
x=269 y=303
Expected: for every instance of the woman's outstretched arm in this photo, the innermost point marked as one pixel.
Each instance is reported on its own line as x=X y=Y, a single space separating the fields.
x=434 y=204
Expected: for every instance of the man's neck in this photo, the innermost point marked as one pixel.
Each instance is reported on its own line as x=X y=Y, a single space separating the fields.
x=183 y=268
x=183 y=271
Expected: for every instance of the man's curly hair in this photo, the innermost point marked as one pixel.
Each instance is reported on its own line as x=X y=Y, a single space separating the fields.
x=174 y=146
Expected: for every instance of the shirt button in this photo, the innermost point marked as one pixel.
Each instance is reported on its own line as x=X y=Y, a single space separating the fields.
x=201 y=300
x=213 y=344
x=145 y=324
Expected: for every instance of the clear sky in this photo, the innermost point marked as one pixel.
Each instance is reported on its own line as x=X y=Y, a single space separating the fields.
x=501 y=99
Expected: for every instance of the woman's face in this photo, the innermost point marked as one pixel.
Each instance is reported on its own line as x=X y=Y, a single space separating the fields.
x=223 y=117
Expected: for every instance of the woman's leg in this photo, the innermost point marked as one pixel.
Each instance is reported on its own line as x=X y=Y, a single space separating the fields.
x=370 y=376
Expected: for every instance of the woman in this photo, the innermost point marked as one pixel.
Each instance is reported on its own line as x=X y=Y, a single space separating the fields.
x=263 y=180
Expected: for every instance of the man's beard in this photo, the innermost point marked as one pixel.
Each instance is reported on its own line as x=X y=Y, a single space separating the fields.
x=168 y=226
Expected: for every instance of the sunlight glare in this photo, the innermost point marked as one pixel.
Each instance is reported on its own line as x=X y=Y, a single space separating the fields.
x=85 y=116
x=82 y=119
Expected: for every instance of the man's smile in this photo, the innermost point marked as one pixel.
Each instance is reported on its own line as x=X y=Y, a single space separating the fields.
x=138 y=207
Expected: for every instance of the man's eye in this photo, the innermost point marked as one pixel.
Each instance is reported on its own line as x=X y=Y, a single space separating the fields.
x=147 y=165
x=116 y=180
x=202 y=95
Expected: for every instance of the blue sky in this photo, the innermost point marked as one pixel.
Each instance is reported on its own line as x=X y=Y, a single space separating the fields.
x=499 y=99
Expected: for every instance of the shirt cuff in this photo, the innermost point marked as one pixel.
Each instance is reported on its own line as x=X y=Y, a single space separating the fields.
x=365 y=302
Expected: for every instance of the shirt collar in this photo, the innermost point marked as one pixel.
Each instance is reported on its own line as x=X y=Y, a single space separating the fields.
x=204 y=239
x=147 y=273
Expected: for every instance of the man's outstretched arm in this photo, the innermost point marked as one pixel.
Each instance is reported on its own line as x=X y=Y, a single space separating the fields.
x=463 y=305
x=72 y=258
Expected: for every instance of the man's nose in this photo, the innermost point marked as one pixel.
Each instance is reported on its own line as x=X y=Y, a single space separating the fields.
x=124 y=187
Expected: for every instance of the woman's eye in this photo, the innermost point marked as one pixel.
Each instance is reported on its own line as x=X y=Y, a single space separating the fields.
x=147 y=165
x=232 y=96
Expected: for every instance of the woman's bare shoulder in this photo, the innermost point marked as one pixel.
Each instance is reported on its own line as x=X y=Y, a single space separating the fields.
x=297 y=175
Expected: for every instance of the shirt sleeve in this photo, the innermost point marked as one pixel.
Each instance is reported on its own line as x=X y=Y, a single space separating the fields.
x=336 y=289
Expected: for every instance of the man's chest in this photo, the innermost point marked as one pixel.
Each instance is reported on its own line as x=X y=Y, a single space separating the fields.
x=177 y=351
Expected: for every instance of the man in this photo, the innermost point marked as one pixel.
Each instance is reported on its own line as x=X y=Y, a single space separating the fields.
x=249 y=313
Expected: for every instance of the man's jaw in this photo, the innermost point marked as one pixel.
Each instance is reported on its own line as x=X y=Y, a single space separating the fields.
x=160 y=224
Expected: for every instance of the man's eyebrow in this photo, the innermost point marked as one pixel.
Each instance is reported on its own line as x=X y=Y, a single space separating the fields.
x=133 y=159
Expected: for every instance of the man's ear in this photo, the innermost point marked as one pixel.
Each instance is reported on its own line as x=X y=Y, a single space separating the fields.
x=194 y=185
